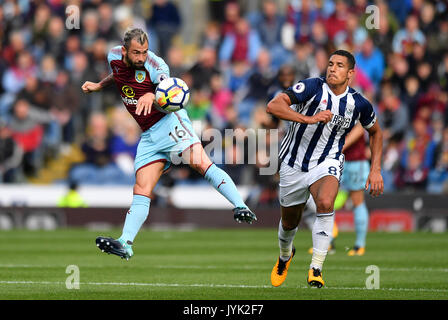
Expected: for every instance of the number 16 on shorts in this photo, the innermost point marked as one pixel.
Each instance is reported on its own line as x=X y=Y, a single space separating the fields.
x=178 y=134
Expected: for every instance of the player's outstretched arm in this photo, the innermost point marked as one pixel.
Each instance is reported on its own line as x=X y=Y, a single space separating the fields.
x=279 y=106
x=375 y=180
x=89 y=86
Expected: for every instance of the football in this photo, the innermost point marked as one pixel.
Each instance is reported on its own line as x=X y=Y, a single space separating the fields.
x=172 y=94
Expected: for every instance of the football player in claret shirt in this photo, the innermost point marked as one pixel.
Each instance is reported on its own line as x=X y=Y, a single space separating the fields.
x=136 y=71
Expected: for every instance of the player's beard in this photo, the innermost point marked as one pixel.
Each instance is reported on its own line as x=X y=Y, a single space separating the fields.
x=132 y=64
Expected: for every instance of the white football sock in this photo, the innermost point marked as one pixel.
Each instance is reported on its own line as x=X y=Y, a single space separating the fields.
x=322 y=231
x=285 y=239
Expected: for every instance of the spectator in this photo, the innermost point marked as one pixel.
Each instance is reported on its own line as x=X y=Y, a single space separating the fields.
x=13 y=49
x=238 y=76
x=65 y=104
x=405 y=38
x=399 y=70
x=391 y=163
x=371 y=61
x=204 y=68
x=90 y=30
x=383 y=37
x=231 y=16
x=176 y=61
x=165 y=21
x=411 y=95
x=303 y=60
x=438 y=176
x=438 y=41
x=106 y=25
x=98 y=167
x=72 y=199
x=11 y=155
x=199 y=105
x=414 y=176
x=256 y=87
x=268 y=24
x=124 y=141
x=338 y=20
x=211 y=37
x=302 y=15
x=419 y=139
x=427 y=17
x=392 y=114
x=243 y=45
x=221 y=99
x=14 y=78
x=55 y=41
x=443 y=73
x=28 y=132
x=286 y=77
x=353 y=36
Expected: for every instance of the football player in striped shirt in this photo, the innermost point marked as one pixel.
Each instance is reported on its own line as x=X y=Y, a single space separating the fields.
x=136 y=71
x=321 y=112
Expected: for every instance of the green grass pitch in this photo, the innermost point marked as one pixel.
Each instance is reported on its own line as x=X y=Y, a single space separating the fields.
x=217 y=264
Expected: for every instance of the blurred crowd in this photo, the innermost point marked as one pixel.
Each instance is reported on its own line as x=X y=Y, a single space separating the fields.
x=245 y=55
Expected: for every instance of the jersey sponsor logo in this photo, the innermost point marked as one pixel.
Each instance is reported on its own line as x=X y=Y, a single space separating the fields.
x=140 y=76
x=127 y=100
x=128 y=91
x=341 y=121
x=299 y=88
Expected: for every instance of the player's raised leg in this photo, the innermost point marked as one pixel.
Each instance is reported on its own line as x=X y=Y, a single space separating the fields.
x=146 y=179
x=287 y=229
x=220 y=180
x=324 y=192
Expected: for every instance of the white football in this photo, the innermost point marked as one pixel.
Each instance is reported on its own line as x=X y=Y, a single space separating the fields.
x=172 y=94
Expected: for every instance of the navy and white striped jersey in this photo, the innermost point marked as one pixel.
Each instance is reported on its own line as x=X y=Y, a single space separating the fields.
x=304 y=146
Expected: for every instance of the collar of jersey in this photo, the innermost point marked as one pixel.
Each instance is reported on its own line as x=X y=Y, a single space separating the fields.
x=336 y=96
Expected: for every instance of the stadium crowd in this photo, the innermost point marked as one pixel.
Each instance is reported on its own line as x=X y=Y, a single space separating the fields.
x=244 y=57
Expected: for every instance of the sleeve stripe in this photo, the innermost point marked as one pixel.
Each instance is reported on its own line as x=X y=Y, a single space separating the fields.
x=292 y=97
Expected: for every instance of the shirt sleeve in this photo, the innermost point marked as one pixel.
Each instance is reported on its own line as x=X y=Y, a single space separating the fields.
x=367 y=114
x=157 y=68
x=114 y=54
x=303 y=90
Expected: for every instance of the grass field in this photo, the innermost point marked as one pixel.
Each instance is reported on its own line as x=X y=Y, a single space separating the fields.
x=215 y=265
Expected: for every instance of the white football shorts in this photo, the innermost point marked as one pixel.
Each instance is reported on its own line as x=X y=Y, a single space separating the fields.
x=294 y=184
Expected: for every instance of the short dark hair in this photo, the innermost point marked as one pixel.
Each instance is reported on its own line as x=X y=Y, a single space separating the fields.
x=138 y=34
x=348 y=55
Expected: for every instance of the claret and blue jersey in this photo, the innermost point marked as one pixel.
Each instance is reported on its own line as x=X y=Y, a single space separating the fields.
x=134 y=83
x=304 y=146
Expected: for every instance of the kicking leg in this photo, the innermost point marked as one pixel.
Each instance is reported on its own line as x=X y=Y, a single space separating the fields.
x=220 y=180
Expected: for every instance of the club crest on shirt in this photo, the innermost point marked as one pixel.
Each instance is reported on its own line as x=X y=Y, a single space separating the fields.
x=140 y=76
x=349 y=109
